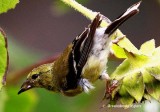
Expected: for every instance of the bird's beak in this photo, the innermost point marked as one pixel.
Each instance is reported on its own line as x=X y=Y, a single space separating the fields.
x=26 y=86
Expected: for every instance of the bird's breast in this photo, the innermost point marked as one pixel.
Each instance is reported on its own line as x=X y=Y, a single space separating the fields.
x=98 y=56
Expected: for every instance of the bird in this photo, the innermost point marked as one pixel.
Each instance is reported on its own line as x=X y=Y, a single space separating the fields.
x=83 y=62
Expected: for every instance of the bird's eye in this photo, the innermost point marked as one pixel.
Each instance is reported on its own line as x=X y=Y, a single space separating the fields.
x=34 y=76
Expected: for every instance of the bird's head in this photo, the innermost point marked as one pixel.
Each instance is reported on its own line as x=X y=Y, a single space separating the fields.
x=40 y=77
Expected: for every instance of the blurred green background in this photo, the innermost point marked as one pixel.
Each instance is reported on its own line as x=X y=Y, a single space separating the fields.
x=39 y=29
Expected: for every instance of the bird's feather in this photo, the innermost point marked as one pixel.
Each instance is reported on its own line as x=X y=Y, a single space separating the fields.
x=80 y=51
x=131 y=11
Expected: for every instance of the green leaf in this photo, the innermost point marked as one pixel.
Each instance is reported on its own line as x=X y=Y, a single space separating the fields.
x=127 y=45
x=147 y=97
x=126 y=100
x=155 y=72
x=153 y=89
x=5 y=5
x=118 y=51
x=3 y=99
x=125 y=97
x=122 y=91
x=124 y=43
x=121 y=70
x=134 y=85
x=3 y=58
x=139 y=73
x=20 y=103
x=148 y=47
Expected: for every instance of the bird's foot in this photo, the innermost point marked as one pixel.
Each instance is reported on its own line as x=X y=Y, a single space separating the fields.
x=104 y=76
x=86 y=85
x=110 y=87
x=116 y=40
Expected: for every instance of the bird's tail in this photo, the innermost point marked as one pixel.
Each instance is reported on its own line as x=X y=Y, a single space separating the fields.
x=131 y=11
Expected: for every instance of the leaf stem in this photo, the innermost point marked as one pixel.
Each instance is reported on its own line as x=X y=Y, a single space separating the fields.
x=80 y=8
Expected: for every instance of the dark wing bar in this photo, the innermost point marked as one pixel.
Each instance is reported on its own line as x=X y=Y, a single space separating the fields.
x=80 y=51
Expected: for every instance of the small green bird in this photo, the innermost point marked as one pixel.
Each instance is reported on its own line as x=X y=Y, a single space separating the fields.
x=82 y=62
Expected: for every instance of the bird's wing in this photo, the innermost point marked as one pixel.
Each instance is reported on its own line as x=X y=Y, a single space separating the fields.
x=81 y=48
x=86 y=45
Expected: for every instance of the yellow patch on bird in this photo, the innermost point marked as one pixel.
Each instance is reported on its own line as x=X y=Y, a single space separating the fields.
x=92 y=69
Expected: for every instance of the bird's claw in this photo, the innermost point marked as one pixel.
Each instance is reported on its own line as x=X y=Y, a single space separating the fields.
x=110 y=87
x=116 y=40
